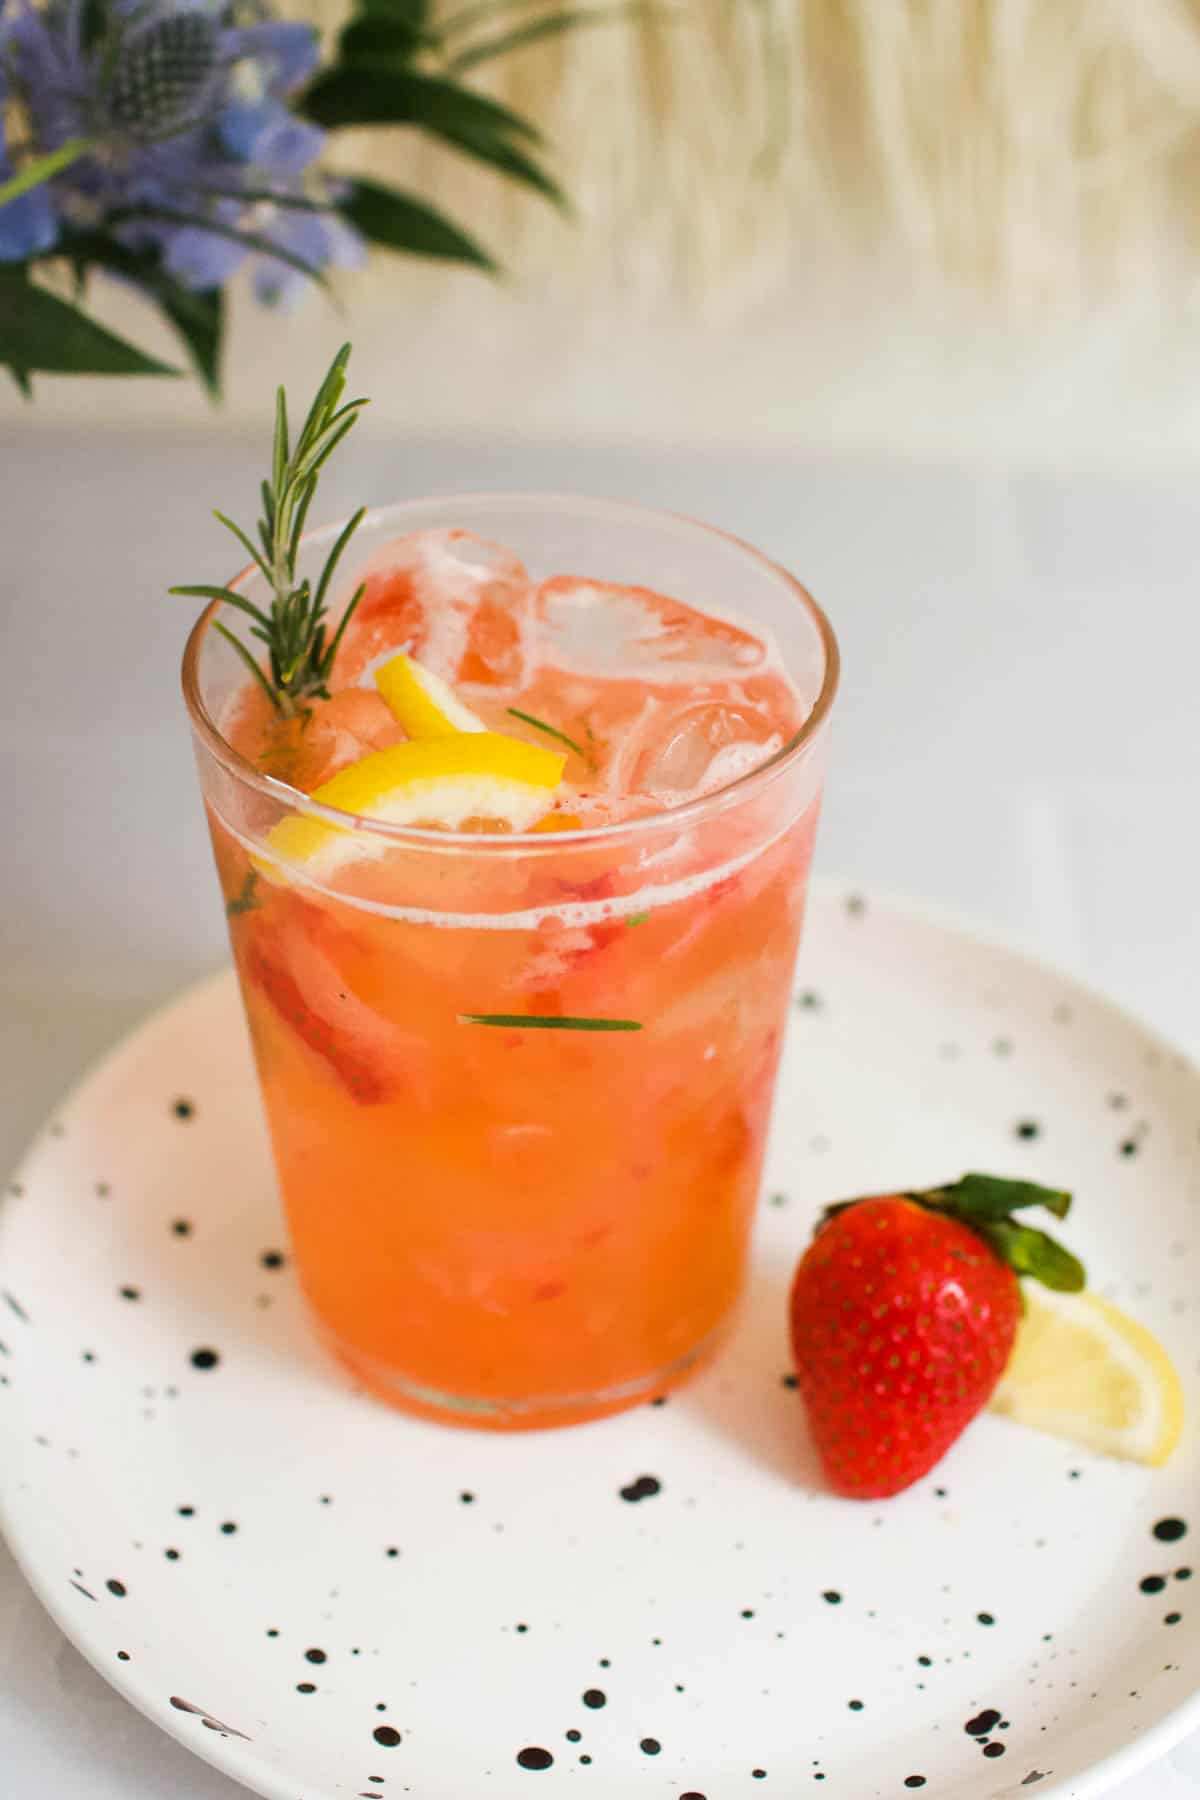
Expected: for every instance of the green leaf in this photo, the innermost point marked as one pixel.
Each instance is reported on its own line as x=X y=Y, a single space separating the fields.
x=414 y=13
x=548 y=25
x=550 y=730
x=994 y=1197
x=379 y=39
x=400 y=222
x=508 y=159
x=198 y=316
x=543 y=1022
x=358 y=96
x=38 y=331
x=1034 y=1254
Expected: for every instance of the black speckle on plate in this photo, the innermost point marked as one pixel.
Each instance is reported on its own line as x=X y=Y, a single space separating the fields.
x=532 y=1757
x=272 y=1259
x=1027 y=1129
x=1152 y=1584
x=1169 y=1531
x=184 y=1109
x=118 y=1588
x=831 y=1597
x=205 y=1358
x=594 y=1697
x=650 y=1746
x=986 y=1618
x=181 y=1227
x=644 y=1488
x=130 y=1293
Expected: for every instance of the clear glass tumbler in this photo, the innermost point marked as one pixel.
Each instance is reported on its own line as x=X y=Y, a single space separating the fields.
x=523 y=1227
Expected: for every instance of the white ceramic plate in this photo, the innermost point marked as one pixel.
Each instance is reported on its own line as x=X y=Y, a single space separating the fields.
x=326 y=1599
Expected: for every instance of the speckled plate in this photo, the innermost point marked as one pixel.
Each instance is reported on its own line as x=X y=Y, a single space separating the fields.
x=326 y=1599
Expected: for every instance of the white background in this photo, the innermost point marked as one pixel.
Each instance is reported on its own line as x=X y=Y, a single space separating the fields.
x=1018 y=736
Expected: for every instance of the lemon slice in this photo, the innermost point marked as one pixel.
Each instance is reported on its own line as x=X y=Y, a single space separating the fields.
x=442 y=781
x=1082 y=1369
x=425 y=705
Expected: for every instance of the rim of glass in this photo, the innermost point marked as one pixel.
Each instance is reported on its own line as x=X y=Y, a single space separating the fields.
x=674 y=818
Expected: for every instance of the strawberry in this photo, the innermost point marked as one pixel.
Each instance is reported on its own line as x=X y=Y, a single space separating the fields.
x=291 y=959
x=903 y=1311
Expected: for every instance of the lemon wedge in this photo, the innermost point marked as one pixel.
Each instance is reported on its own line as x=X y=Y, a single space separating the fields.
x=425 y=705
x=1082 y=1369
x=442 y=781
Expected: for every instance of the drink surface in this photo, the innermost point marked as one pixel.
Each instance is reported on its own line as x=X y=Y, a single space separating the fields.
x=664 y=702
x=500 y=1222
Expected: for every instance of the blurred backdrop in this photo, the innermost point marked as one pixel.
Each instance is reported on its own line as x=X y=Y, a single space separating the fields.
x=916 y=227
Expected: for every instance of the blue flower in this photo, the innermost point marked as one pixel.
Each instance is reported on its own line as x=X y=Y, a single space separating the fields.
x=264 y=132
x=185 y=111
x=28 y=225
x=318 y=239
x=205 y=259
x=285 y=51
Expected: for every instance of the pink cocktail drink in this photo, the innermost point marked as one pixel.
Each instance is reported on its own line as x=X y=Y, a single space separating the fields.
x=519 y=1081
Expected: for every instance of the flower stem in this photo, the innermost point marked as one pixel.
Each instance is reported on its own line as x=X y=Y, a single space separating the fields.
x=42 y=168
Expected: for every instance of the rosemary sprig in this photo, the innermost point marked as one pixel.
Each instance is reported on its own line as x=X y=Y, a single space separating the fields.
x=547 y=1022
x=246 y=900
x=300 y=656
x=552 y=731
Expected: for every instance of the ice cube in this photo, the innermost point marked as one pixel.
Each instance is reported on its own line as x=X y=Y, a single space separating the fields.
x=459 y=604
x=601 y=628
x=683 y=751
x=327 y=736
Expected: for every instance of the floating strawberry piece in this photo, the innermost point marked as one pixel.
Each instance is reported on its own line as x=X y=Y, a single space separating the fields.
x=904 y=1310
x=294 y=964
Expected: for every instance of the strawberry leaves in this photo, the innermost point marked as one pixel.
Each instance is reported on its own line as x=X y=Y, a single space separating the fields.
x=1036 y=1254
x=986 y=1203
x=978 y=1197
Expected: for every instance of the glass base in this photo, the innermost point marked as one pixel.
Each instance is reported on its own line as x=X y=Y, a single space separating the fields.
x=536 y=1413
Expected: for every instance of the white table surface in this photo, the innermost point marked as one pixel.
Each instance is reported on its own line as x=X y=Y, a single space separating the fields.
x=1018 y=737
